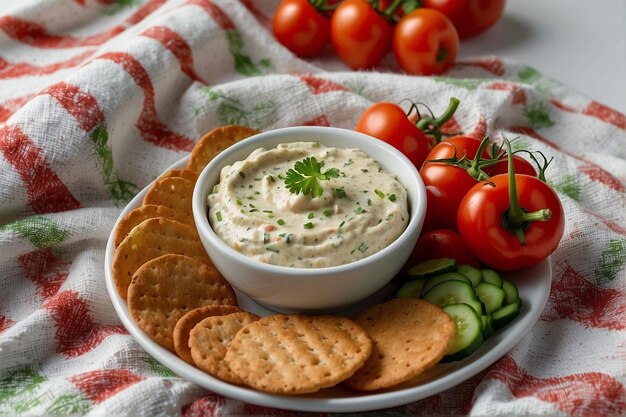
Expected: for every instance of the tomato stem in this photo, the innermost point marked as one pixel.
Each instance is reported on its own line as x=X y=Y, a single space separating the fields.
x=389 y=11
x=427 y=123
x=515 y=218
x=475 y=169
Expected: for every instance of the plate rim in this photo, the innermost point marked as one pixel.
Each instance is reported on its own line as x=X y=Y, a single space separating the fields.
x=508 y=338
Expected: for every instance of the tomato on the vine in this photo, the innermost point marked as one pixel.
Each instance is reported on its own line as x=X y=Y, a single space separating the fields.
x=440 y=211
x=442 y=243
x=361 y=36
x=470 y=17
x=452 y=180
x=522 y=166
x=389 y=122
x=425 y=42
x=511 y=221
x=300 y=27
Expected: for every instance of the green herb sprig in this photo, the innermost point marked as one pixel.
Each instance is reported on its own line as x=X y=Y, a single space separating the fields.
x=304 y=176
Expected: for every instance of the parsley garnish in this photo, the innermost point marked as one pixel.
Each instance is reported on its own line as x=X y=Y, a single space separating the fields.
x=303 y=177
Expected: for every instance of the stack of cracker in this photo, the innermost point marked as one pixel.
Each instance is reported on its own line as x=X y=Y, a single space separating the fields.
x=179 y=299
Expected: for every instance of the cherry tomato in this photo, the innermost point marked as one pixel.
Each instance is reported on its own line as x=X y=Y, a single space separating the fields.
x=522 y=166
x=388 y=122
x=301 y=28
x=470 y=17
x=360 y=35
x=451 y=180
x=442 y=243
x=425 y=42
x=485 y=210
x=440 y=211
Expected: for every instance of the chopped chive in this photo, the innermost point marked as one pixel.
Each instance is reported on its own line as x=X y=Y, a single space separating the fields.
x=369 y=202
x=363 y=247
x=365 y=191
x=271 y=178
x=218 y=216
x=282 y=234
x=380 y=193
x=272 y=248
x=342 y=223
x=328 y=212
x=280 y=222
x=340 y=192
x=316 y=145
x=257 y=193
x=239 y=203
x=360 y=210
x=309 y=225
x=381 y=169
x=242 y=174
x=270 y=216
x=253 y=210
x=266 y=237
x=258 y=179
x=216 y=188
x=249 y=185
x=242 y=211
x=252 y=205
x=268 y=211
x=364 y=170
x=311 y=215
x=392 y=197
x=389 y=217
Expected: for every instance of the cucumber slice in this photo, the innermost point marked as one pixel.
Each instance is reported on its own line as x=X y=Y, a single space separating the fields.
x=478 y=306
x=469 y=335
x=472 y=273
x=487 y=325
x=411 y=289
x=504 y=315
x=450 y=276
x=492 y=277
x=451 y=292
x=432 y=267
x=491 y=296
x=511 y=294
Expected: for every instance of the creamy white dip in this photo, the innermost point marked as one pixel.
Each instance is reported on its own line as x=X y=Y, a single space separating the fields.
x=359 y=213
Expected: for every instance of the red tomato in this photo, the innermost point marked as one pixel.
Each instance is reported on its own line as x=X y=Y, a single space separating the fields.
x=442 y=243
x=360 y=35
x=425 y=42
x=483 y=212
x=388 y=122
x=521 y=165
x=470 y=17
x=451 y=180
x=440 y=211
x=301 y=28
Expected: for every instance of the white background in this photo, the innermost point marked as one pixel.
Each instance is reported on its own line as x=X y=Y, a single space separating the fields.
x=579 y=43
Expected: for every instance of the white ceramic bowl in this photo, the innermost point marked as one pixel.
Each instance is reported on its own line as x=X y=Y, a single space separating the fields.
x=288 y=289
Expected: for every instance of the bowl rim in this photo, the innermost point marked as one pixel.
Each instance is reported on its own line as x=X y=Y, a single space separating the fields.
x=416 y=211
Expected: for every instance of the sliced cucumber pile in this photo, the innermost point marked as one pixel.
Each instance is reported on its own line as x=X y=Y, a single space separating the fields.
x=479 y=301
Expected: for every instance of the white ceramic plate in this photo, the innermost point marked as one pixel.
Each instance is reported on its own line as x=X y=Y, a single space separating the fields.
x=533 y=285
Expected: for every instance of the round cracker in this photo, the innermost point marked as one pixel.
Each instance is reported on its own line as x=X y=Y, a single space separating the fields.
x=166 y=288
x=409 y=337
x=209 y=339
x=151 y=239
x=183 y=173
x=293 y=354
x=172 y=192
x=215 y=142
x=149 y=211
x=188 y=321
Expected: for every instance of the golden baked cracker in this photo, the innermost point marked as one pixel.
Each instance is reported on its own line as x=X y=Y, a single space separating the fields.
x=409 y=336
x=183 y=326
x=172 y=192
x=296 y=354
x=166 y=288
x=209 y=339
x=148 y=211
x=215 y=142
x=183 y=173
x=151 y=239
